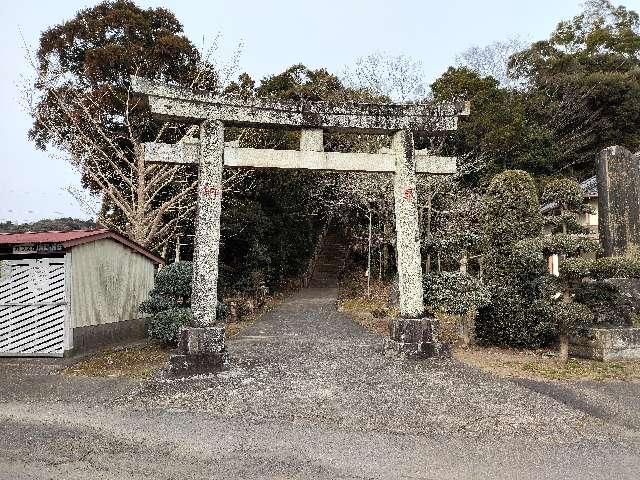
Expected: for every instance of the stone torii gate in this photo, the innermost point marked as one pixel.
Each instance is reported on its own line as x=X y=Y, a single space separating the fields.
x=202 y=346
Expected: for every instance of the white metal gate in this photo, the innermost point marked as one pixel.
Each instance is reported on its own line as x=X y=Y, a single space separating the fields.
x=32 y=306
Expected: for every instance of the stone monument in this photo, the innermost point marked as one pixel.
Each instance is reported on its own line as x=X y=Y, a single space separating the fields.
x=619 y=201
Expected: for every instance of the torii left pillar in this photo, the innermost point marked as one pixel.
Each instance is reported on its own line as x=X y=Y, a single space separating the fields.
x=201 y=347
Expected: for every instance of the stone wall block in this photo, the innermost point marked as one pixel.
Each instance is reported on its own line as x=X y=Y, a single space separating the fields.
x=200 y=350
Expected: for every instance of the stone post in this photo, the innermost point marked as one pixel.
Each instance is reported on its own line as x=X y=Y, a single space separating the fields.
x=201 y=346
x=618 y=201
x=204 y=298
x=407 y=227
x=412 y=334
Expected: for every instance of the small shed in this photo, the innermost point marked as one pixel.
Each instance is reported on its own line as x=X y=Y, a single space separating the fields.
x=64 y=292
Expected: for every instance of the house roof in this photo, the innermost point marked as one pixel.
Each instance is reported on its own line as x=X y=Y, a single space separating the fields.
x=589 y=186
x=71 y=238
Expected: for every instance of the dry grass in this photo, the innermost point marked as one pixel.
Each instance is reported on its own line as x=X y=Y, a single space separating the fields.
x=372 y=312
x=359 y=309
x=136 y=361
x=544 y=365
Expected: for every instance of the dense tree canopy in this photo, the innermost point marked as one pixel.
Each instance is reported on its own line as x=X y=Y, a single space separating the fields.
x=570 y=96
x=66 y=223
x=591 y=63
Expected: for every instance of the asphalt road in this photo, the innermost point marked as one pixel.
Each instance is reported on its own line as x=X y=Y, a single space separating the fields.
x=308 y=395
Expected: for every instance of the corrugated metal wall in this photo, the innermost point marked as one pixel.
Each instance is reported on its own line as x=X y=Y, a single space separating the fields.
x=108 y=282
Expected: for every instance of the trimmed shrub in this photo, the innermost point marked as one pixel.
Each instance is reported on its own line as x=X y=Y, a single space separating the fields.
x=165 y=325
x=515 y=321
x=565 y=192
x=511 y=210
x=567 y=195
x=573 y=318
x=561 y=243
x=455 y=293
x=171 y=289
x=601 y=268
x=608 y=306
x=169 y=303
x=517 y=315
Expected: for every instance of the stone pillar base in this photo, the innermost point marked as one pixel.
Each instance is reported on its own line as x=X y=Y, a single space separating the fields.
x=200 y=350
x=414 y=338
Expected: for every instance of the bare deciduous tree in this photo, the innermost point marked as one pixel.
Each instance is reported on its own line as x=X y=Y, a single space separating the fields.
x=396 y=77
x=493 y=60
x=146 y=202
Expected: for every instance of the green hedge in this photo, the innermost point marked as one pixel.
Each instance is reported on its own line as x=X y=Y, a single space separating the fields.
x=455 y=292
x=561 y=244
x=516 y=321
x=165 y=325
x=608 y=305
x=601 y=268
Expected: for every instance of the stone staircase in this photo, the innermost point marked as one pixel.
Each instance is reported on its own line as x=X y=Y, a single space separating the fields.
x=330 y=261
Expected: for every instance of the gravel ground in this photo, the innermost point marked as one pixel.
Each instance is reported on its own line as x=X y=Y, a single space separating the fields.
x=309 y=395
x=305 y=361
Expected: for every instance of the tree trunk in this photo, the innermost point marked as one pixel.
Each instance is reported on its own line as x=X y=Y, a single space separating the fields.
x=564 y=348
x=564 y=337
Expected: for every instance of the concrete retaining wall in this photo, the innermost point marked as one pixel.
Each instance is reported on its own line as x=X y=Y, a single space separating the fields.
x=622 y=343
x=95 y=336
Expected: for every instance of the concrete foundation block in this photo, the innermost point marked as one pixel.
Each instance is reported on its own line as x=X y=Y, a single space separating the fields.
x=608 y=344
x=414 y=338
x=200 y=350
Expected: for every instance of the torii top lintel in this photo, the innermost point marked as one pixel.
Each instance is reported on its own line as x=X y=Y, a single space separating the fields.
x=185 y=105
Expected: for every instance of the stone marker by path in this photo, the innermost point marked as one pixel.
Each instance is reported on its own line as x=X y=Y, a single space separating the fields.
x=202 y=345
x=619 y=201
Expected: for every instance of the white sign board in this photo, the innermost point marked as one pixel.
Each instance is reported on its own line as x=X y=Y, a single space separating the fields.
x=38 y=248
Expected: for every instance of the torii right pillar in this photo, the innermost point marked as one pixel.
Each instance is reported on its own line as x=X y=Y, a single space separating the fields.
x=413 y=333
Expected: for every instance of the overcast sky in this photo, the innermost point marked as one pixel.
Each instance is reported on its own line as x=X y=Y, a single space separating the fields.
x=275 y=34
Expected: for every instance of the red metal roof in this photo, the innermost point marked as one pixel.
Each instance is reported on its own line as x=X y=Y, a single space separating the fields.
x=49 y=237
x=71 y=238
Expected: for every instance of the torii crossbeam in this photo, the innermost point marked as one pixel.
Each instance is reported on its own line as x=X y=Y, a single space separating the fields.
x=412 y=334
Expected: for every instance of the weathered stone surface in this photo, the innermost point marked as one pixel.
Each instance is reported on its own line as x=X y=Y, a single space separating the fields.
x=407 y=227
x=312 y=140
x=185 y=151
x=171 y=102
x=188 y=152
x=435 y=165
x=618 y=201
x=185 y=365
x=414 y=338
x=608 y=344
x=201 y=340
x=200 y=349
x=204 y=298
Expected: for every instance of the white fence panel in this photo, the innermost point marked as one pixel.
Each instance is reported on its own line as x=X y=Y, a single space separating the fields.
x=32 y=307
